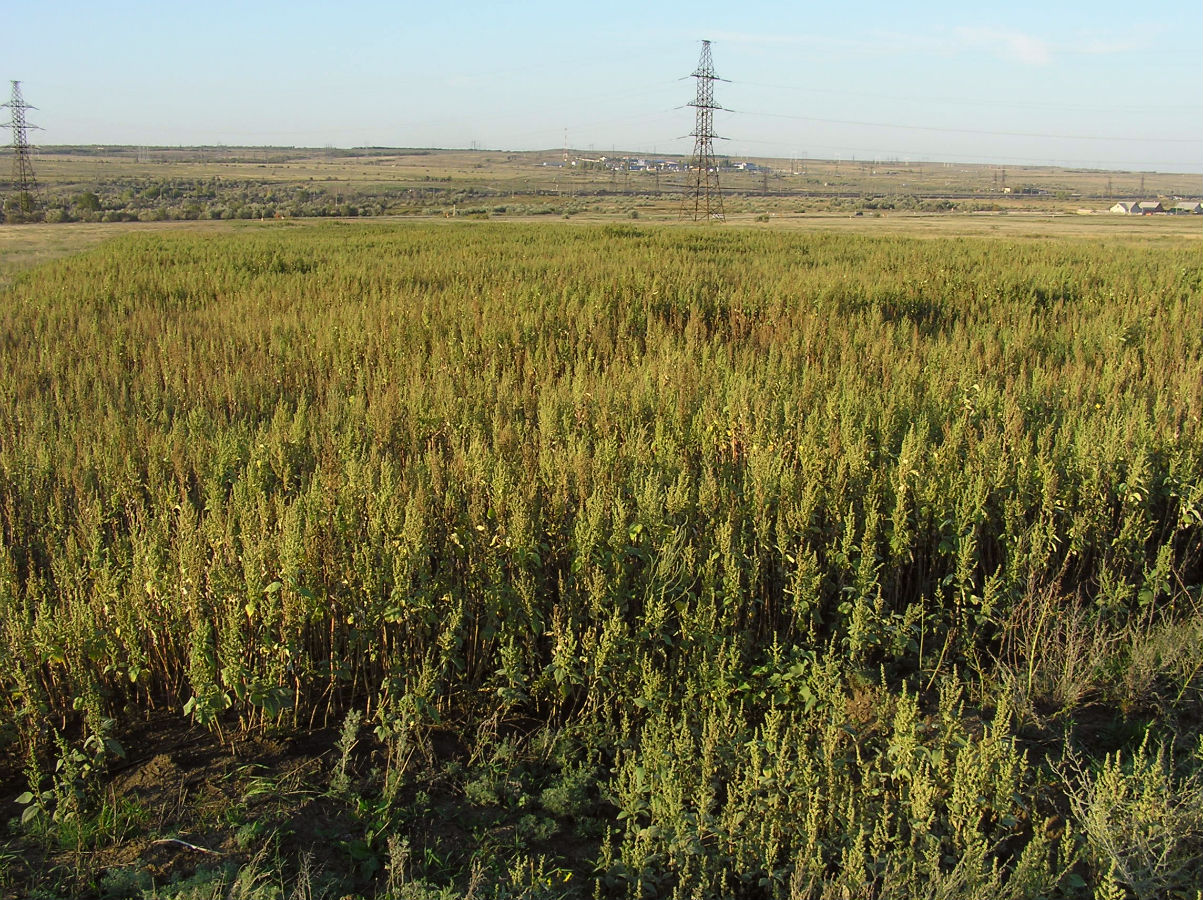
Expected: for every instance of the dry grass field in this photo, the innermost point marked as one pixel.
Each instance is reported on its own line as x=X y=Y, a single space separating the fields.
x=413 y=181
x=22 y=246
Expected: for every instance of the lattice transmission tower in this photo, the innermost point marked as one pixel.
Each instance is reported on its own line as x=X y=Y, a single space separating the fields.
x=25 y=185
x=705 y=200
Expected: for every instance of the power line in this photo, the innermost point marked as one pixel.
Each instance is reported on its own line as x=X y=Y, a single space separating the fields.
x=975 y=102
x=879 y=153
x=1027 y=134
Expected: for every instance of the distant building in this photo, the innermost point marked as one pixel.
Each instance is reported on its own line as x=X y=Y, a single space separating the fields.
x=1126 y=208
x=1187 y=208
x=1148 y=207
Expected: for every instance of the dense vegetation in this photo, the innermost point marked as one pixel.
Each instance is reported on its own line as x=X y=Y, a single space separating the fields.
x=144 y=199
x=640 y=562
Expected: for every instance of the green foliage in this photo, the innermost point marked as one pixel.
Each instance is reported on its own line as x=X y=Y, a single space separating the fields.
x=801 y=531
x=76 y=782
x=340 y=783
x=1144 y=821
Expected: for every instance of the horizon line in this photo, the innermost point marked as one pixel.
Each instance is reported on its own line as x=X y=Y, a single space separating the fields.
x=852 y=158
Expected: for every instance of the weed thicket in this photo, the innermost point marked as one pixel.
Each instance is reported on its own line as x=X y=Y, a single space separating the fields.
x=804 y=532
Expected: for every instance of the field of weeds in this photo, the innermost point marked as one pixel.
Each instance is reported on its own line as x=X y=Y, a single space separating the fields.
x=525 y=560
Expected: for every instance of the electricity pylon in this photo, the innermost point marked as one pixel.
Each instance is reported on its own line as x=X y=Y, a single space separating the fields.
x=25 y=185
x=705 y=198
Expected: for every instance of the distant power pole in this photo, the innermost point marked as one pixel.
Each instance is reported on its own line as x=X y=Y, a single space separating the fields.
x=24 y=183
x=707 y=200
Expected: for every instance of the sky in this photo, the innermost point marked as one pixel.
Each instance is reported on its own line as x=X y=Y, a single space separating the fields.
x=1103 y=85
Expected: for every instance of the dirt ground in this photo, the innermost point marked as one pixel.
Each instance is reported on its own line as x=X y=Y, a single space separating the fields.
x=180 y=800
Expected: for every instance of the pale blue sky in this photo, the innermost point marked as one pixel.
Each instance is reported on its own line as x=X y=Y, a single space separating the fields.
x=1098 y=84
